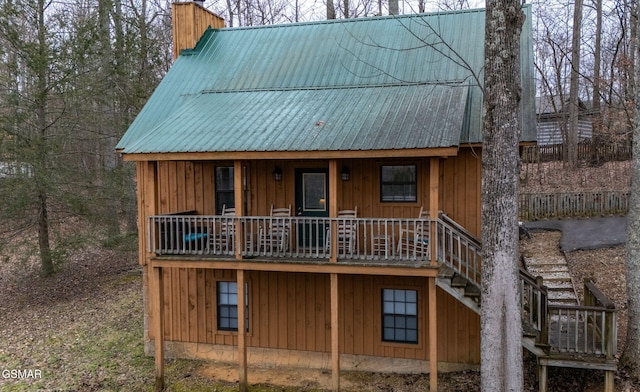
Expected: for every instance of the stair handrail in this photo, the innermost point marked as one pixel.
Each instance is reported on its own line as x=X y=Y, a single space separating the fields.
x=458 y=249
x=594 y=297
x=534 y=306
x=461 y=229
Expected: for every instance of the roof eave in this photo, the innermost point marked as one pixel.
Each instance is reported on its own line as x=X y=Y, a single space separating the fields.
x=291 y=155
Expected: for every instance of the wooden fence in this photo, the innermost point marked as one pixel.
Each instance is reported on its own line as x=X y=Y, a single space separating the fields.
x=589 y=152
x=535 y=206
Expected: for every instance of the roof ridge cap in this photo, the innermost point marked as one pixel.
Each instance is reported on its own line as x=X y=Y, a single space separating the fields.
x=450 y=83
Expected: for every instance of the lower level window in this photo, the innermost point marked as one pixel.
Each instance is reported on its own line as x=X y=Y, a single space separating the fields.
x=400 y=316
x=228 y=306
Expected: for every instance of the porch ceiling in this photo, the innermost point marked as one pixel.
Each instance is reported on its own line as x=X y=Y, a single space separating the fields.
x=388 y=117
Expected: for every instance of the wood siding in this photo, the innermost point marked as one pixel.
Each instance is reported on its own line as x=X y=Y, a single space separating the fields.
x=189 y=185
x=292 y=311
x=460 y=183
x=190 y=21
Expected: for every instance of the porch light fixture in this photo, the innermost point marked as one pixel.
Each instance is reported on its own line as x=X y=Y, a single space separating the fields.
x=345 y=174
x=277 y=174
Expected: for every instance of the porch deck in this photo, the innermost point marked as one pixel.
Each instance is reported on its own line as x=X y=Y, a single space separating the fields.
x=371 y=242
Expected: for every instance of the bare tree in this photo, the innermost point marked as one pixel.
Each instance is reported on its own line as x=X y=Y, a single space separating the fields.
x=631 y=354
x=597 y=79
x=501 y=326
x=571 y=143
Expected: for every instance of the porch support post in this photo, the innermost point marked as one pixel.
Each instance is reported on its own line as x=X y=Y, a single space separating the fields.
x=434 y=205
x=242 y=331
x=335 y=335
x=542 y=377
x=433 y=336
x=238 y=199
x=333 y=207
x=609 y=377
x=157 y=301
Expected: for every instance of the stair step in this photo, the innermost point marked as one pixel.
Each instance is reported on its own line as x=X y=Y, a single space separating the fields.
x=557 y=260
x=472 y=291
x=561 y=294
x=446 y=272
x=458 y=281
x=550 y=274
x=548 y=267
x=562 y=301
x=555 y=284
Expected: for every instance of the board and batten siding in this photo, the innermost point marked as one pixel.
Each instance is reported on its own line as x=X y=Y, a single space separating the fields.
x=189 y=22
x=292 y=311
x=189 y=186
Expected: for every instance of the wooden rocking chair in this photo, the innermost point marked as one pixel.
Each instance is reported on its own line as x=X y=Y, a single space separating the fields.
x=223 y=236
x=414 y=238
x=274 y=238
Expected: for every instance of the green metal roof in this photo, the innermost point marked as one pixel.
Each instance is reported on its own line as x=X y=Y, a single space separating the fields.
x=358 y=84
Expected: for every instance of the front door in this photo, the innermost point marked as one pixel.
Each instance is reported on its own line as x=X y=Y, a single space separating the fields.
x=312 y=200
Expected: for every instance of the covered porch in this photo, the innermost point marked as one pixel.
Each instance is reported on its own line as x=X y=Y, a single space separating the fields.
x=186 y=205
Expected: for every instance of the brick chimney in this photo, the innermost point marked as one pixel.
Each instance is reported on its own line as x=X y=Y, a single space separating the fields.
x=189 y=21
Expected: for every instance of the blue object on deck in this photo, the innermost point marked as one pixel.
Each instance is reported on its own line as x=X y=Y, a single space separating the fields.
x=194 y=236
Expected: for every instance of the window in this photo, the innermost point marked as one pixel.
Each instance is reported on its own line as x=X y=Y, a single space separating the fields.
x=224 y=188
x=400 y=316
x=398 y=183
x=228 y=306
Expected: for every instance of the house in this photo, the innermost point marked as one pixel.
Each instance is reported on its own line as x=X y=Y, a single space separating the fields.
x=553 y=120
x=378 y=116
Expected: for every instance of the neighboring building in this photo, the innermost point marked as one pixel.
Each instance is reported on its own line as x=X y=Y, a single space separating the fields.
x=553 y=117
x=380 y=116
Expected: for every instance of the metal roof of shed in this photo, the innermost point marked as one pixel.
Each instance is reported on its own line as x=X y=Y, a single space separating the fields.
x=400 y=82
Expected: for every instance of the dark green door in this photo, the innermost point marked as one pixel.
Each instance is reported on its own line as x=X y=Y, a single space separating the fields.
x=312 y=200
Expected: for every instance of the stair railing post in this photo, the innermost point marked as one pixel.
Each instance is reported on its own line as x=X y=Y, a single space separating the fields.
x=543 y=313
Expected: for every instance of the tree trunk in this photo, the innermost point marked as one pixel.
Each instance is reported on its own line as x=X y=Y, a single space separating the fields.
x=331 y=10
x=501 y=326
x=394 y=9
x=631 y=354
x=597 y=120
x=46 y=261
x=41 y=69
x=572 y=142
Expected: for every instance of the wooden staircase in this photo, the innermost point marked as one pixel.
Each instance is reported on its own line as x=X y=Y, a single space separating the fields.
x=556 y=329
x=459 y=288
x=555 y=274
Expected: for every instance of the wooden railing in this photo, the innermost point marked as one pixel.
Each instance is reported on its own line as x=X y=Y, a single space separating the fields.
x=576 y=329
x=458 y=249
x=291 y=237
x=588 y=152
x=534 y=206
x=588 y=329
x=533 y=297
